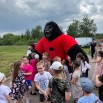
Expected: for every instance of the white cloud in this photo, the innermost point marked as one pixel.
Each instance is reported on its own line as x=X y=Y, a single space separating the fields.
x=98 y=17
x=20 y=4
x=85 y=8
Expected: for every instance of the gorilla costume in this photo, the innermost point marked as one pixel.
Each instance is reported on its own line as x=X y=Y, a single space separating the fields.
x=56 y=43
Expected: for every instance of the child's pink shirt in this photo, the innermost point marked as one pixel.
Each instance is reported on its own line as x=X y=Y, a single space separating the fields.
x=33 y=63
x=26 y=69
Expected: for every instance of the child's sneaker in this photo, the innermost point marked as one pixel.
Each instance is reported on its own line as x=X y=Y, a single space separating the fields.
x=32 y=93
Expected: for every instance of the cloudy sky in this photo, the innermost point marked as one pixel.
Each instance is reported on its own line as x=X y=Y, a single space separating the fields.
x=18 y=15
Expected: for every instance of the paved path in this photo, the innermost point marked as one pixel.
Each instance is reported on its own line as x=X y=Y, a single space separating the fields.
x=35 y=99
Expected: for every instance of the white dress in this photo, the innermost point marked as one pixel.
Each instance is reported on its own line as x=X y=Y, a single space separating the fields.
x=76 y=89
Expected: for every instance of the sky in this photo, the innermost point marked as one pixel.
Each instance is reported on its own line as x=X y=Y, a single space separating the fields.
x=18 y=15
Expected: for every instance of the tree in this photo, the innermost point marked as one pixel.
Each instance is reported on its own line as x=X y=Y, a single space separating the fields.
x=37 y=32
x=73 y=28
x=8 y=39
x=84 y=28
x=87 y=26
x=22 y=36
x=1 y=41
x=27 y=34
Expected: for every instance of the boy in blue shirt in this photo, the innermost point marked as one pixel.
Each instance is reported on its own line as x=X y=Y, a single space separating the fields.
x=87 y=87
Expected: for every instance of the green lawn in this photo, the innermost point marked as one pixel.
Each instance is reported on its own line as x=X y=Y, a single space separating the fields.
x=87 y=50
x=9 y=54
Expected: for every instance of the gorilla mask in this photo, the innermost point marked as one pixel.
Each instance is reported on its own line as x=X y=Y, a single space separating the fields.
x=52 y=30
x=48 y=30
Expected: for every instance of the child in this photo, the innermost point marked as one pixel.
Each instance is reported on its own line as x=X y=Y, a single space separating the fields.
x=46 y=60
x=66 y=70
x=27 y=69
x=42 y=80
x=58 y=88
x=63 y=73
x=18 y=82
x=87 y=87
x=57 y=58
x=99 y=66
x=84 y=66
x=97 y=49
x=33 y=62
x=4 y=90
x=75 y=81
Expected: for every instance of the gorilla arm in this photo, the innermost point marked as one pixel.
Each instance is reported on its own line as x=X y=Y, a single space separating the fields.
x=73 y=51
x=72 y=48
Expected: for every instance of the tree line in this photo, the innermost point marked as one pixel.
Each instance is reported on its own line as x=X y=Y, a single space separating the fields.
x=84 y=28
x=27 y=38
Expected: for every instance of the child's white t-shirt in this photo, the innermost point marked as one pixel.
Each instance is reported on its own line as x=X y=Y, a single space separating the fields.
x=4 y=91
x=43 y=80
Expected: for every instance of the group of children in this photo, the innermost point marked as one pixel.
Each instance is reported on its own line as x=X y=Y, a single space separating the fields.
x=53 y=80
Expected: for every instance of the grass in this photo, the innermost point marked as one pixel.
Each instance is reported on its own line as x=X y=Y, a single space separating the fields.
x=87 y=50
x=8 y=55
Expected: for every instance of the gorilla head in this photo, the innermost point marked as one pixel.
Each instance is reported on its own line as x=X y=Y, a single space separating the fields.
x=52 y=30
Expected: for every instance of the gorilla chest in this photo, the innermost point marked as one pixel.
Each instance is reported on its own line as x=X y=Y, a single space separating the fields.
x=55 y=48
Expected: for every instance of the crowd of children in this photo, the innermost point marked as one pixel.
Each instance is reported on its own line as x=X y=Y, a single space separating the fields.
x=57 y=80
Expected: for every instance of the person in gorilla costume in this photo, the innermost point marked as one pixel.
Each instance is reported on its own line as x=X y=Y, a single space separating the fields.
x=56 y=43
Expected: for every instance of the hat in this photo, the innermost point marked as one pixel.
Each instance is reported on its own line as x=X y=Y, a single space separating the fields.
x=36 y=56
x=87 y=84
x=1 y=76
x=56 y=65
